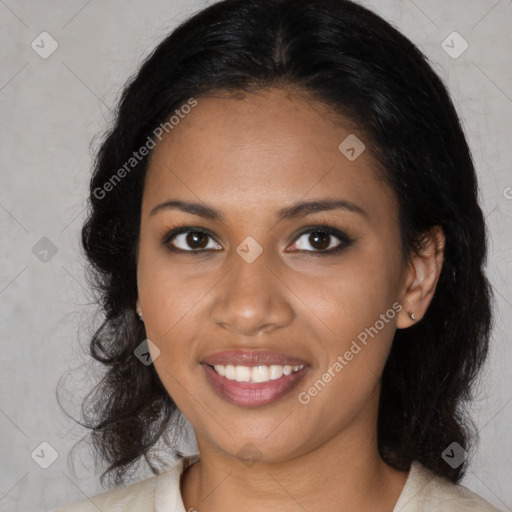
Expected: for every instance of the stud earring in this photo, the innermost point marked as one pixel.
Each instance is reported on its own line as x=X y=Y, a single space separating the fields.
x=139 y=314
x=413 y=316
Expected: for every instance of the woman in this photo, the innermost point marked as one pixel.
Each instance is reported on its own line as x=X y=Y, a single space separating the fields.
x=286 y=209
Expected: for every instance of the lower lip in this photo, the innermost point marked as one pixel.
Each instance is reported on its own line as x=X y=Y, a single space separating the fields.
x=248 y=394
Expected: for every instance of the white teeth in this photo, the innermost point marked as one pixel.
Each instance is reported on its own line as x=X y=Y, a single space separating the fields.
x=230 y=372
x=276 y=372
x=259 y=373
x=242 y=373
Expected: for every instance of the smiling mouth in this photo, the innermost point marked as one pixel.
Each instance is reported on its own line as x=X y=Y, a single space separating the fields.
x=253 y=386
x=255 y=374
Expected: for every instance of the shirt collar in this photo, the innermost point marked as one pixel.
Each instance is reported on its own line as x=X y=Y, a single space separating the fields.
x=167 y=492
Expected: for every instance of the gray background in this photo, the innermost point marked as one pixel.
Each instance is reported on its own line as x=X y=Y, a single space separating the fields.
x=51 y=110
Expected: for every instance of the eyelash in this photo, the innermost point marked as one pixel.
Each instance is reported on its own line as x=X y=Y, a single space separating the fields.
x=345 y=240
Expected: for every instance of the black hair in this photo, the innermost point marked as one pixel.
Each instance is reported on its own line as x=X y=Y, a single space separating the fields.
x=343 y=55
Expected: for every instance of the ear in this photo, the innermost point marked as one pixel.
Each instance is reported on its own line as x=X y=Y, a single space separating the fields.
x=421 y=277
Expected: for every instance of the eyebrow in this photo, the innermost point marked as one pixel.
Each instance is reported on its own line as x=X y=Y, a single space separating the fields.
x=298 y=209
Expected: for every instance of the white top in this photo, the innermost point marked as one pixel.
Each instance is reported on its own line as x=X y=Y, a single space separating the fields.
x=423 y=492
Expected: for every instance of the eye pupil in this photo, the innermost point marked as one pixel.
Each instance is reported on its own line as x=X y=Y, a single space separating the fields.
x=194 y=239
x=323 y=237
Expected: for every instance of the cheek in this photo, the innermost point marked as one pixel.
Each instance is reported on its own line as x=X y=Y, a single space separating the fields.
x=169 y=300
x=352 y=305
x=350 y=296
x=356 y=333
x=168 y=291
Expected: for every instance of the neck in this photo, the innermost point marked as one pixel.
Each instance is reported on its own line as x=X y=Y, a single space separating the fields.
x=347 y=471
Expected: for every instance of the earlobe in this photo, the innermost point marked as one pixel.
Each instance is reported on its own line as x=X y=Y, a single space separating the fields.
x=138 y=308
x=423 y=275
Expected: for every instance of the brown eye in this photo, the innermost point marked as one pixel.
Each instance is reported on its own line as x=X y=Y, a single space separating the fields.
x=196 y=240
x=323 y=240
x=189 y=240
x=319 y=240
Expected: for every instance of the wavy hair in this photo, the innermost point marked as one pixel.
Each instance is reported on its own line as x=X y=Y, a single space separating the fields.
x=343 y=55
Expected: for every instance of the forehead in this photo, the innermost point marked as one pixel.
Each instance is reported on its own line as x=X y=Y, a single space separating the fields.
x=275 y=146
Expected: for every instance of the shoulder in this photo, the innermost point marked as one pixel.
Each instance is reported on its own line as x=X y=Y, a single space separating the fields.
x=425 y=491
x=138 y=497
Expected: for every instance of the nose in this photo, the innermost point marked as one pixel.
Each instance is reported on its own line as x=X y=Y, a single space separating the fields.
x=252 y=298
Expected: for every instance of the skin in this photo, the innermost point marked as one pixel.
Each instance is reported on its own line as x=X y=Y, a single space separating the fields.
x=249 y=156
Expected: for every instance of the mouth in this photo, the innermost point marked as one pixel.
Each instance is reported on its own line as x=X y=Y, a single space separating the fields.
x=253 y=374
x=253 y=379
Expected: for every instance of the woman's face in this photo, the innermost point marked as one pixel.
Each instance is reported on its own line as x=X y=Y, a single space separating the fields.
x=240 y=297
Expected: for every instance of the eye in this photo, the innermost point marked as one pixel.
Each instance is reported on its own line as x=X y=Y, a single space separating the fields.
x=322 y=240
x=189 y=240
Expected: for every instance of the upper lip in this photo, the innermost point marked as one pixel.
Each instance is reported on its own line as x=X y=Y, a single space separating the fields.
x=251 y=358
